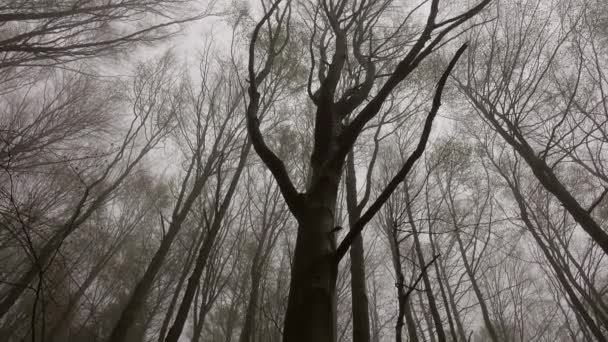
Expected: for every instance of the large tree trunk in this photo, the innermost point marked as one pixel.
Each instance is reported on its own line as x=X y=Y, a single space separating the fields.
x=311 y=307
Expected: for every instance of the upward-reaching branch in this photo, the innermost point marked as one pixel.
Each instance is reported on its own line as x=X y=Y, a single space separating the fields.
x=270 y=159
x=400 y=176
x=405 y=67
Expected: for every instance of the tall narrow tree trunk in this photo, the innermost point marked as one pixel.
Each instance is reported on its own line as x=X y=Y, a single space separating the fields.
x=360 y=302
x=193 y=282
x=65 y=318
x=404 y=307
x=203 y=254
x=425 y=277
x=198 y=327
x=427 y=319
x=178 y=289
x=410 y=322
x=546 y=176
x=440 y=281
x=42 y=260
x=247 y=332
x=452 y=303
x=143 y=287
x=575 y=303
x=482 y=303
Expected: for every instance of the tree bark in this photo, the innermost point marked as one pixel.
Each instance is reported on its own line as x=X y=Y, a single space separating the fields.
x=247 y=332
x=203 y=254
x=576 y=304
x=360 y=302
x=544 y=173
x=311 y=307
x=182 y=279
x=482 y=304
x=452 y=303
x=425 y=278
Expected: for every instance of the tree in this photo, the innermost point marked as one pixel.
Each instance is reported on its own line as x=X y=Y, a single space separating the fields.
x=543 y=126
x=210 y=113
x=43 y=33
x=153 y=113
x=311 y=308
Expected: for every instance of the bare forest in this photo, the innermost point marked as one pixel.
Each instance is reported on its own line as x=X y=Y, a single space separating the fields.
x=303 y=170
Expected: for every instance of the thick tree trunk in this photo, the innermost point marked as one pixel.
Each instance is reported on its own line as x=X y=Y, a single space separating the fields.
x=311 y=307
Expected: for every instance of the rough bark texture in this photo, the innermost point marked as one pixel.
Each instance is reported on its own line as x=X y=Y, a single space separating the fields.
x=311 y=308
